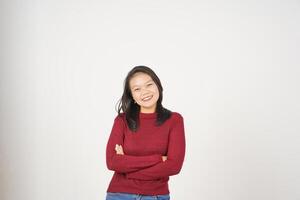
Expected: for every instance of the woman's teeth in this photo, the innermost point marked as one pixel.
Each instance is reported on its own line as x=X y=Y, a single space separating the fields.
x=147 y=98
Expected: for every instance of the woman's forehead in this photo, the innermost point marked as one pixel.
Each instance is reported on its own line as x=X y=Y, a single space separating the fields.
x=139 y=79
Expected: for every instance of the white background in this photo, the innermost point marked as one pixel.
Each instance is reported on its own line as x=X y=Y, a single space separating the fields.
x=231 y=68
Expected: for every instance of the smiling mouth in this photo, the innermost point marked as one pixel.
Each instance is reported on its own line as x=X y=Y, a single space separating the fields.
x=147 y=98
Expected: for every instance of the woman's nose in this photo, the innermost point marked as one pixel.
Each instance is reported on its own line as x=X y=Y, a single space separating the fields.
x=144 y=92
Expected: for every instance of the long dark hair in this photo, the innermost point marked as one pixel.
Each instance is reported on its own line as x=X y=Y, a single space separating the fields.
x=132 y=110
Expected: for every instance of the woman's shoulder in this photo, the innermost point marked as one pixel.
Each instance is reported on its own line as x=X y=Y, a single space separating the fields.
x=120 y=117
x=176 y=116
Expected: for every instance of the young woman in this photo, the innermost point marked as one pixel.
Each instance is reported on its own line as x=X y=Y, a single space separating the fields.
x=147 y=141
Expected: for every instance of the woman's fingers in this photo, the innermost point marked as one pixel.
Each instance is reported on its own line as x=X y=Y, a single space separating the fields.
x=164 y=158
x=119 y=149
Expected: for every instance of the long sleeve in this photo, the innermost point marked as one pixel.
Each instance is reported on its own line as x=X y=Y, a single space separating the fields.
x=176 y=153
x=125 y=163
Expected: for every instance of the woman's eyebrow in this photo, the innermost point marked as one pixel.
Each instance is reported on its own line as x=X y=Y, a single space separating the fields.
x=138 y=85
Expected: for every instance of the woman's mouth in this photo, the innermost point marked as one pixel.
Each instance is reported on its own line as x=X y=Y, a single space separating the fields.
x=147 y=98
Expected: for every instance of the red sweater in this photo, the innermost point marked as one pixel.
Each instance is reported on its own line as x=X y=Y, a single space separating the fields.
x=141 y=169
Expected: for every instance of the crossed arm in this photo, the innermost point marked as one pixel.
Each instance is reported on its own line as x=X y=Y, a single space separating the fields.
x=150 y=167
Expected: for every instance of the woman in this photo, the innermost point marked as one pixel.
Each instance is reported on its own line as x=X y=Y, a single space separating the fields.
x=147 y=141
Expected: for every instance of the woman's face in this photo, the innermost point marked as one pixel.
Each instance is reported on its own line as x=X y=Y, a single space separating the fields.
x=144 y=91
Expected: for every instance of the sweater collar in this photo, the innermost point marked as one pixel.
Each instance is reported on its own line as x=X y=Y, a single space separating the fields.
x=147 y=115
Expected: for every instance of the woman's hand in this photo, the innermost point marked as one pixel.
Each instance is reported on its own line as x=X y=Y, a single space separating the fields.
x=119 y=149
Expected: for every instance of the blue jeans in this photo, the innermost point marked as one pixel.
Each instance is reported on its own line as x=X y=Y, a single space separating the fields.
x=127 y=196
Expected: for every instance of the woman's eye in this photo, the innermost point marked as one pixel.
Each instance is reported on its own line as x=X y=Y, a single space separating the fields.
x=136 y=89
x=150 y=84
